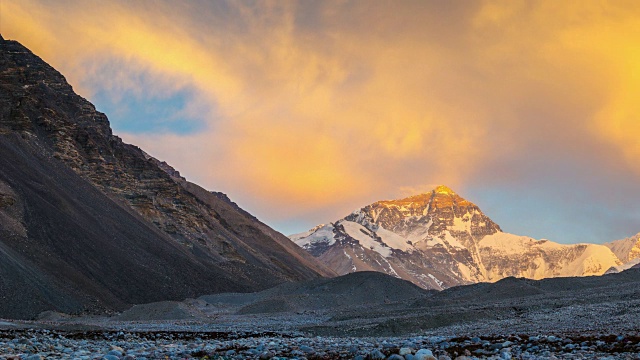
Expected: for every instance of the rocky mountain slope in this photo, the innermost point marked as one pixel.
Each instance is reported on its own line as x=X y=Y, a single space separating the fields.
x=438 y=240
x=627 y=250
x=89 y=223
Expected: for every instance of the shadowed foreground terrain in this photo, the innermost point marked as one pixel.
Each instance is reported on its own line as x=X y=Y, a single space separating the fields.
x=364 y=312
x=375 y=304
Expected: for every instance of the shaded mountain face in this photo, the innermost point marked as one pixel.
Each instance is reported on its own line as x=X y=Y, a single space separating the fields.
x=438 y=240
x=89 y=223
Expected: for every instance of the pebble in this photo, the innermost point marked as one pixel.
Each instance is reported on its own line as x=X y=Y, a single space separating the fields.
x=405 y=350
x=39 y=345
x=306 y=349
x=424 y=354
x=116 y=353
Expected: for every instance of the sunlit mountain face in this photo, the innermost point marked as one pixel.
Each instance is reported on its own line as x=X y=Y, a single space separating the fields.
x=438 y=239
x=302 y=111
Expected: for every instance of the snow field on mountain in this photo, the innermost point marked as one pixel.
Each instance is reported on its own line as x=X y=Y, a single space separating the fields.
x=442 y=237
x=362 y=234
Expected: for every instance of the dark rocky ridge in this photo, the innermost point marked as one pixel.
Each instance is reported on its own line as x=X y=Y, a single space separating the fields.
x=81 y=211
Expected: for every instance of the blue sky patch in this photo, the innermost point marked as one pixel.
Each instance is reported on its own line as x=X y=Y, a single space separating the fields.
x=131 y=113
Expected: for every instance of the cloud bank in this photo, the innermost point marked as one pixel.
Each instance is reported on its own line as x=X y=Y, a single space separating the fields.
x=303 y=111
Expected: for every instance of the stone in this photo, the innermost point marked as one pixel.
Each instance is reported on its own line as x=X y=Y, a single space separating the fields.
x=117 y=353
x=405 y=350
x=116 y=348
x=424 y=354
x=307 y=349
x=377 y=355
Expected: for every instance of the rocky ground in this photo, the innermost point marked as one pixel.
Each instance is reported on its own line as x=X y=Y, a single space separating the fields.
x=113 y=345
x=362 y=315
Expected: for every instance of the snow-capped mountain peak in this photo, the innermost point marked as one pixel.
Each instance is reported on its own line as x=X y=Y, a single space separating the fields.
x=442 y=189
x=439 y=239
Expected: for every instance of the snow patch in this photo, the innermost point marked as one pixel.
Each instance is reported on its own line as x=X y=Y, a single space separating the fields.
x=362 y=235
x=321 y=234
x=436 y=280
x=394 y=240
x=452 y=241
x=623 y=267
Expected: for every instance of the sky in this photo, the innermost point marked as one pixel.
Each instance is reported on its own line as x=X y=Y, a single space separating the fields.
x=303 y=111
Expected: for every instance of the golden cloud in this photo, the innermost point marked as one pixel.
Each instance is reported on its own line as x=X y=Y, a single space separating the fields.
x=326 y=106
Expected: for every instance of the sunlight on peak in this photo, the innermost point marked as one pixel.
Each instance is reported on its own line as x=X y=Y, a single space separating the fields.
x=443 y=190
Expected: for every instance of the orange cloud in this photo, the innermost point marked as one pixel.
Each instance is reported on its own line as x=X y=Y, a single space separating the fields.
x=321 y=105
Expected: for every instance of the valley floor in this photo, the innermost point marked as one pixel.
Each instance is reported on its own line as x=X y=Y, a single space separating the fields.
x=344 y=318
x=33 y=344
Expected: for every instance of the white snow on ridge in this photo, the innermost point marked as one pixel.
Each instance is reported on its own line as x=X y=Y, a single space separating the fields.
x=360 y=233
x=623 y=267
x=434 y=241
x=461 y=223
x=515 y=244
x=558 y=259
x=319 y=234
x=452 y=241
x=394 y=240
x=436 y=280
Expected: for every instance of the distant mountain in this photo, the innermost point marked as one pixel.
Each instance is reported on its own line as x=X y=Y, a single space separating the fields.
x=627 y=250
x=90 y=223
x=438 y=240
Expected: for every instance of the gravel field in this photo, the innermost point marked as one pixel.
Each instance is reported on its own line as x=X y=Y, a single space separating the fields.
x=565 y=318
x=33 y=344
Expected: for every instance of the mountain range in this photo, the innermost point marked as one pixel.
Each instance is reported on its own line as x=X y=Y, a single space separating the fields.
x=89 y=223
x=439 y=239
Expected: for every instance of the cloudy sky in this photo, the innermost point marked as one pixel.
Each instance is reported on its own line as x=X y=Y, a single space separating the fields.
x=304 y=111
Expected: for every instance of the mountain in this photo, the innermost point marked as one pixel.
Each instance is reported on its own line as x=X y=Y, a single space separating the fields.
x=89 y=223
x=627 y=250
x=438 y=239
x=626 y=266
